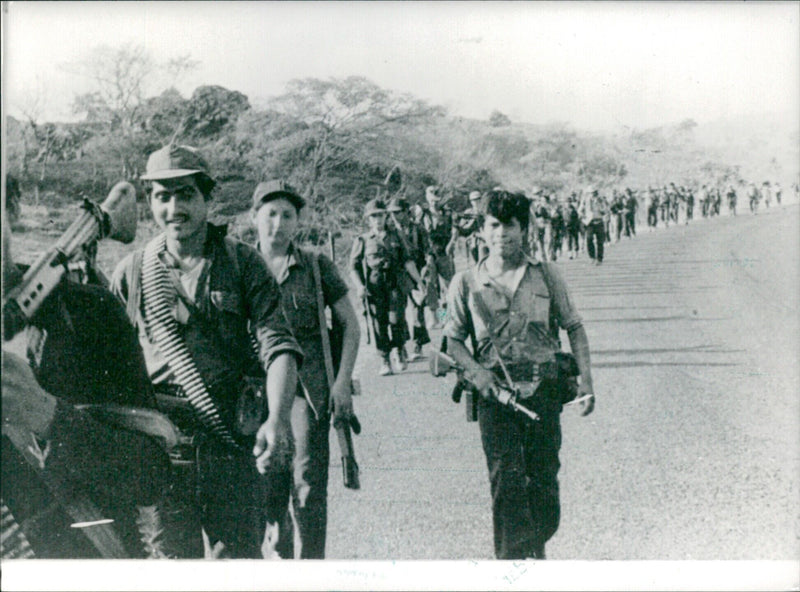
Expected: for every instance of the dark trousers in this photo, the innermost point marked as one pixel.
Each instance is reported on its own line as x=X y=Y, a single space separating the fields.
x=572 y=238
x=235 y=503
x=421 y=336
x=309 y=491
x=595 y=237
x=522 y=458
x=630 y=224
x=386 y=308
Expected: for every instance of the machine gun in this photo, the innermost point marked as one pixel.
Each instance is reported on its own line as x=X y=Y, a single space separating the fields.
x=505 y=394
x=114 y=218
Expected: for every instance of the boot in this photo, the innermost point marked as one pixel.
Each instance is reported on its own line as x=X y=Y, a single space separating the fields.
x=386 y=366
x=402 y=357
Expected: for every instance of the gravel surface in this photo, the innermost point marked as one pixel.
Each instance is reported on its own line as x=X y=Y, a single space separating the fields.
x=692 y=452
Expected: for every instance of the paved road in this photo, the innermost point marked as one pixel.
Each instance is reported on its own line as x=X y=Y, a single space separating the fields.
x=692 y=452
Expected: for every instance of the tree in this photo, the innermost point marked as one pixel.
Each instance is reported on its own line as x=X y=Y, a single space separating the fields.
x=122 y=78
x=497 y=119
x=347 y=121
x=212 y=108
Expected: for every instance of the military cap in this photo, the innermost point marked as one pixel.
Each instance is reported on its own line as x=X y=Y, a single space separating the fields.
x=267 y=191
x=374 y=206
x=474 y=195
x=397 y=204
x=174 y=161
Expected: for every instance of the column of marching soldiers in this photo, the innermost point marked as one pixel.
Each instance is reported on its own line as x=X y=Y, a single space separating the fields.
x=182 y=407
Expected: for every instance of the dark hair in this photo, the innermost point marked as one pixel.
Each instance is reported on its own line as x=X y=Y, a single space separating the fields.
x=505 y=205
x=204 y=183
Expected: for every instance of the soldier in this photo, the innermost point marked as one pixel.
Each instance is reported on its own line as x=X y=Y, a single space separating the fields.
x=689 y=197
x=541 y=216
x=208 y=314
x=275 y=213
x=573 y=226
x=377 y=262
x=731 y=195
x=766 y=192
x=557 y=231
x=652 y=207
x=778 y=191
x=437 y=220
x=665 y=204
x=754 y=197
x=631 y=208
x=492 y=305
x=593 y=209
x=618 y=215
x=415 y=241
x=468 y=228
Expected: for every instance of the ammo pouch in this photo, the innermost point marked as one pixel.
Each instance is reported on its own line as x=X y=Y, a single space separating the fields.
x=251 y=406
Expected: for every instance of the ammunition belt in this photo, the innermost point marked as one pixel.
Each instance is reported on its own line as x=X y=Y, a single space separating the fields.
x=162 y=325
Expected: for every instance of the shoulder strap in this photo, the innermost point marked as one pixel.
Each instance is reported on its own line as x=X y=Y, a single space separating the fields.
x=548 y=281
x=323 y=325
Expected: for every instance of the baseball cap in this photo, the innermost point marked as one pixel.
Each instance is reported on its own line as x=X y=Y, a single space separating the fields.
x=173 y=161
x=276 y=189
x=374 y=206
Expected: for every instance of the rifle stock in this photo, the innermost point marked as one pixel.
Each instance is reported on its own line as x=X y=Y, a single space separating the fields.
x=349 y=464
x=114 y=218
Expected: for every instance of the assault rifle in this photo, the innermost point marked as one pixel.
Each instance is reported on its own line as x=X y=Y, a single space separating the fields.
x=505 y=394
x=114 y=218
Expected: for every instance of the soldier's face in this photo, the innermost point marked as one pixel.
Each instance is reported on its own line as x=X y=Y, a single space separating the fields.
x=503 y=240
x=178 y=207
x=376 y=221
x=276 y=222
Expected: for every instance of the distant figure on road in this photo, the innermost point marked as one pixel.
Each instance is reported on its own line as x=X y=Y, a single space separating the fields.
x=593 y=208
x=731 y=195
x=754 y=197
x=512 y=308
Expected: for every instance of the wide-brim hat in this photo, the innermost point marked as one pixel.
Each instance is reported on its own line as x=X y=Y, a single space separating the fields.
x=174 y=161
x=397 y=204
x=267 y=191
x=374 y=206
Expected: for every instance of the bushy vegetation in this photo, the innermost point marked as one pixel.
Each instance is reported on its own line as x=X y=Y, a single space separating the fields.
x=344 y=141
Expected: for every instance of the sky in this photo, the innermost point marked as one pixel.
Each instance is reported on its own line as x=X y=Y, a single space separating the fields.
x=597 y=65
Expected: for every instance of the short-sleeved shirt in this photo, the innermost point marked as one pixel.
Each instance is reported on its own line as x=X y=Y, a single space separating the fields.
x=299 y=304
x=524 y=324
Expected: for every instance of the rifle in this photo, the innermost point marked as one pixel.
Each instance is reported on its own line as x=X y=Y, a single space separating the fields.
x=419 y=297
x=505 y=394
x=114 y=218
x=345 y=439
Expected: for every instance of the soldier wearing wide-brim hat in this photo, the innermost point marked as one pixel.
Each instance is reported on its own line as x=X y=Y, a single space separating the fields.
x=377 y=261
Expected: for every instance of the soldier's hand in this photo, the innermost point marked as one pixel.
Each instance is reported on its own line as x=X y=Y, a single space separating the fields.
x=484 y=381
x=361 y=291
x=274 y=446
x=342 y=402
x=585 y=400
